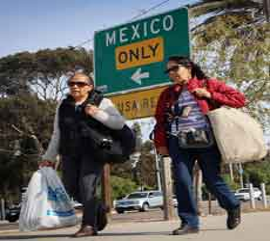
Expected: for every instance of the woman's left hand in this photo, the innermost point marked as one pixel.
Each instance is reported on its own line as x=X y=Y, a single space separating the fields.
x=91 y=109
x=202 y=92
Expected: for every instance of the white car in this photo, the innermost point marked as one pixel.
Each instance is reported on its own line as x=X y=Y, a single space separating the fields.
x=76 y=204
x=244 y=195
x=175 y=202
x=141 y=201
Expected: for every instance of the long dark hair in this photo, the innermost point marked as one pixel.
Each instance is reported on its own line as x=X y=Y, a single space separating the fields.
x=196 y=70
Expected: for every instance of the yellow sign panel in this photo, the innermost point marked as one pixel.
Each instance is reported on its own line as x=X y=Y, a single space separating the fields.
x=138 y=104
x=141 y=53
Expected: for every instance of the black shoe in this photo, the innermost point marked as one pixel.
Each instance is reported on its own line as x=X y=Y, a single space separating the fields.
x=85 y=231
x=234 y=218
x=185 y=229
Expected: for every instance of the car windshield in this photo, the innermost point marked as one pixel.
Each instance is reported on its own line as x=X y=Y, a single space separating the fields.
x=137 y=195
x=243 y=191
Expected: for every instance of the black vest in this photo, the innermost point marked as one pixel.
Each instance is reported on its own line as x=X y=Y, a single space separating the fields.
x=73 y=125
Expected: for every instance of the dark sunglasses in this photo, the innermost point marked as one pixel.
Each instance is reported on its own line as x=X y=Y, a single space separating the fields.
x=79 y=84
x=173 y=68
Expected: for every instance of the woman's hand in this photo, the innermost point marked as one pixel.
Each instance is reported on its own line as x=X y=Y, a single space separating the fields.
x=91 y=109
x=46 y=163
x=163 y=150
x=202 y=92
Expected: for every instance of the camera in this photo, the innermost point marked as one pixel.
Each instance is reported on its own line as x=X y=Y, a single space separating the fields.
x=106 y=143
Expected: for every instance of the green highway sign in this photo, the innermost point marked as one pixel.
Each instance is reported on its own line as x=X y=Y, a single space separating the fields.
x=132 y=56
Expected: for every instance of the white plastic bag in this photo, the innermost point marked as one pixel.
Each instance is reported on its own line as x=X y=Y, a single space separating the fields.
x=47 y=205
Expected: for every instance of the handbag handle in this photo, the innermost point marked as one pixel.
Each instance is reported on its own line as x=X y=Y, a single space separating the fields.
x=210 y=101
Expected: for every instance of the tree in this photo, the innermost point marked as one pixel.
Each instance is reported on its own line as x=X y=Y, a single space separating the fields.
x=219 y=8
x=121 y=187
x=232 y=43
x=25 y=126
x=54 y=67
x=44 y=72
x=230 y=40
x=146 y=166
x=15 y=71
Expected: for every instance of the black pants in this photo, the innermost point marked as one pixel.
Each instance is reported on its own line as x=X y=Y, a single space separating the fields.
x=81 y=176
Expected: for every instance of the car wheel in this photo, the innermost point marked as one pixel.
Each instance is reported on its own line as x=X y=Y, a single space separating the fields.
x=120 y=211
x=12 y=219
x=145 y=207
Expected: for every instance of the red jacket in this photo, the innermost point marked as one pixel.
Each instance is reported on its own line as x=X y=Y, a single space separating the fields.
x=221 y=94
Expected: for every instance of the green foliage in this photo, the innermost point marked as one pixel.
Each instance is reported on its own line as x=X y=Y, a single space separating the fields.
x=25 y=120
x=13 y=73
x=141 y=171
x=147 y=167
x=44 y=72
x=257 y=173
x=121 y=187
x=123 y=170
x=233 y=185
x=232 y=43
x=224 y=7
x=234 y=46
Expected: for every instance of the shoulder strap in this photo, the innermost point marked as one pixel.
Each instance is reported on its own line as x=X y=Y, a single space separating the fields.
x=95 y=97
x=210 y=101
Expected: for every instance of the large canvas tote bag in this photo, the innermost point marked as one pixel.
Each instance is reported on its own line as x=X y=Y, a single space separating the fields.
x=238 y=136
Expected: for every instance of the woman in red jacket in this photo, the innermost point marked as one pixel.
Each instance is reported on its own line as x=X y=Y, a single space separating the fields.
x=184 y=132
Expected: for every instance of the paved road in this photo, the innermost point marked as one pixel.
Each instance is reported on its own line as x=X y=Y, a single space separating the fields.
x=255 y=226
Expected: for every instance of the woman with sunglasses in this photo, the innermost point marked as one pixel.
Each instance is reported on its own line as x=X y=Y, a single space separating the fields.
x=81 y=168
x=184 y=133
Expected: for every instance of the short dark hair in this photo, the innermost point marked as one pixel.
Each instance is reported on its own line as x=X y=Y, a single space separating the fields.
x=78 y=75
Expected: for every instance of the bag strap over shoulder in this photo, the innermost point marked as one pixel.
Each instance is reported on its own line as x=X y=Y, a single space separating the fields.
x=95 y=97
x=210 y=101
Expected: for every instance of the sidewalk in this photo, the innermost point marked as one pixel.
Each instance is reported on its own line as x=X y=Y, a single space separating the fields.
x=254 y=227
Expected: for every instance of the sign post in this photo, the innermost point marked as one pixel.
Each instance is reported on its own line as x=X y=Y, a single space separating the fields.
x=131 y=56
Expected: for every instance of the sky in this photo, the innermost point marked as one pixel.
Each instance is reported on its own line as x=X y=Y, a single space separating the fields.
x=30 y=25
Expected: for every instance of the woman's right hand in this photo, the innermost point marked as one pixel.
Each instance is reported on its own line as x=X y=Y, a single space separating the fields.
x=46 y=163
x=163 y=150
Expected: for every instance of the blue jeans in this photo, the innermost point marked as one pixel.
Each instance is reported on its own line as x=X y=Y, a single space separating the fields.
x=209 y=161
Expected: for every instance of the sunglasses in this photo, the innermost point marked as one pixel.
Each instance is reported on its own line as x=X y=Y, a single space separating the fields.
x=79 y=84
x=173 y=68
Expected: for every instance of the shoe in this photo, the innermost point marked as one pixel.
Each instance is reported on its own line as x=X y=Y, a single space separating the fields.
x=185 y=229
x=84 y=231
x=234 y=218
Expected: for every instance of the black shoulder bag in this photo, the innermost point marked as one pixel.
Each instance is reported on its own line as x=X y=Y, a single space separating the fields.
x=113 y=146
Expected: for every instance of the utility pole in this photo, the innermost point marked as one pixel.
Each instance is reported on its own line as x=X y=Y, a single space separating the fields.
x=231 y=171
x=157 y=162
x=241 y=171
x=266 y=8
x=106 y=187
x=167 y=188
x=198 y=187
